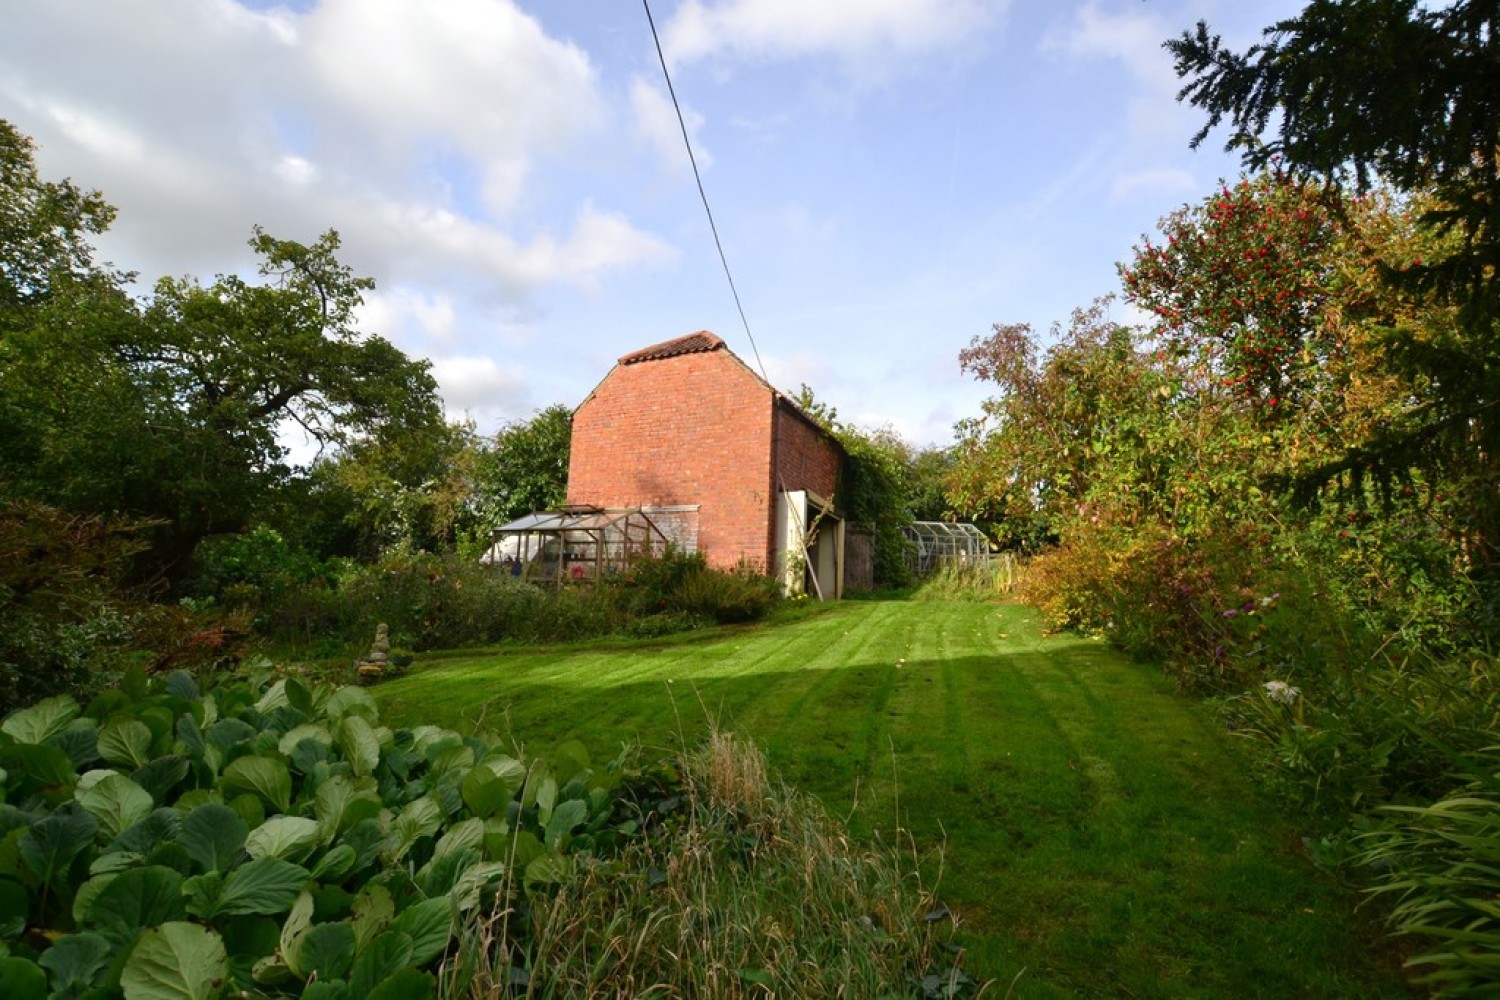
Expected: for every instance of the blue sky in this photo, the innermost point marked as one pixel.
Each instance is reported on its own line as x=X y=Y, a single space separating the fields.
x=890 y=177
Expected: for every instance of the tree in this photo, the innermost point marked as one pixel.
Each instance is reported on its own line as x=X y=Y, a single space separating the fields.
x=1361 y=92
x=875 y=485
x=44 y=226
x=524 y=468
x=169 y=409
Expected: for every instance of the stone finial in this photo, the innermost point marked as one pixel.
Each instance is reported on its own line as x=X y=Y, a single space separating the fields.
x=380 y=649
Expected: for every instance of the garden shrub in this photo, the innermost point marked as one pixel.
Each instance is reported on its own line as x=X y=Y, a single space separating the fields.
x=267 y=839
x=257 y=567
x=1438 y=866
x=726 y=596
x=434 y=601
x=740 y=888
x=1355 y=743
x=65 y=621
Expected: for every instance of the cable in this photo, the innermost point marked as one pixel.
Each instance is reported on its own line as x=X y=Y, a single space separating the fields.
x=697 y=176
x=802 y=528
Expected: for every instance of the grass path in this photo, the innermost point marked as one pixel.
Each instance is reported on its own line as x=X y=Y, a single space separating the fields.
x=1099 y=833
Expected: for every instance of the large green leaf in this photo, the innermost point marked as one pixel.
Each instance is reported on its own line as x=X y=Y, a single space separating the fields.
x=290 y=838
x=381 y=959
x=405 y=984
x=273 y=698
x=22 y=980
x=227 y=732
x=49 y=847
x=213 y=835
x=356 y=740
x=298 y=922
x=351 y=701
x=135 y=899
x=418 y=818
x=83 y=900
x=14 y=908
x=248 y=940
x=125 y=743
x=547 y=869
x=44 y=719
x=306 y=731
x=373 y=911
x=300 y=697
x=334 y=865
x=442 y=874
x=467 y=893
x=159 y=827
x=265 y=777
x=328 y=951
x=429 y=924
x=75 y=962
x=176 y=961
x=546 y=796
x=267 y=886
x=117 y=803
x=485 y=793
x=180 y=684
x=161 y=776
x=80 y=741
x=39 y=769
x=324 y=989
x=468 y=833
x=567 y=817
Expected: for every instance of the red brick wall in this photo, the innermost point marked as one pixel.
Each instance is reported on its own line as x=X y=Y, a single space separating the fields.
x=691 y=429
x=806 y=458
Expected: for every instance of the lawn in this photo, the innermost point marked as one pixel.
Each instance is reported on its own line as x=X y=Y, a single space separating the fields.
x=1100 y=835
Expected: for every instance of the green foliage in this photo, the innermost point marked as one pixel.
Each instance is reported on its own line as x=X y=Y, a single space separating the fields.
x=744 y=888
x=1398 y=92
x=255 y=567
x=434 y=601
x=64 y=622
x=167 y=409
x=524 y=468
x=1388 y=734
x=362 y=847
x=1437 y=865
x=876 y=485
x=44 y=227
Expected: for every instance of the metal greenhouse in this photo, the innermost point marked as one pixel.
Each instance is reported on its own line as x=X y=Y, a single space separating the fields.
x=574 y=544
x=937 y=543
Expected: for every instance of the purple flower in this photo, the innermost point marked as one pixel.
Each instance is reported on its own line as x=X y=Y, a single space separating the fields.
x=1232 y=613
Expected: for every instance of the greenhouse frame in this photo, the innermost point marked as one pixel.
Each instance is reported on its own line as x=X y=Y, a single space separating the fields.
x=574 y=544
x=938 y=543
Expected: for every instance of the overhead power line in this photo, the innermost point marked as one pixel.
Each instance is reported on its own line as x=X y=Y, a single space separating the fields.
x=698 y=176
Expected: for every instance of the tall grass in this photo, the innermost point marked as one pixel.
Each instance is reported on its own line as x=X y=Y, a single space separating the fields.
x=748 y=889
x=1439 y=866
x=985 y=580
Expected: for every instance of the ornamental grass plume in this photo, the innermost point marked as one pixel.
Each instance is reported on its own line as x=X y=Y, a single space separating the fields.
x=1282 y=693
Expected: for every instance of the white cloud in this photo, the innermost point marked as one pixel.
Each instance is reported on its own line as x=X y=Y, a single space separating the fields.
x=656 y=122
x=414 y=129
x=859 y=32
x=479 y=387
x=1133 y=40
x=480 y=75
x=295 y=170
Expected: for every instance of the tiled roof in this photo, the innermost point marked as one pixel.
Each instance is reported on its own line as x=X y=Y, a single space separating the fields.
x=694 y=343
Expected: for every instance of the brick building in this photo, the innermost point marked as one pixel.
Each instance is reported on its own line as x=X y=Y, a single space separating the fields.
x=721 y=461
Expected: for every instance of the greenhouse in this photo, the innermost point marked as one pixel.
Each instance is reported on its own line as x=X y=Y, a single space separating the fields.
x=574 y=544
x=938 y=543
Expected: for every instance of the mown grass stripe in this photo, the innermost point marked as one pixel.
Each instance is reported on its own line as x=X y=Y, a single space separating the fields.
x=1100 y=831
